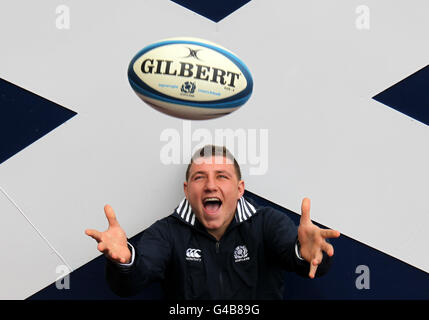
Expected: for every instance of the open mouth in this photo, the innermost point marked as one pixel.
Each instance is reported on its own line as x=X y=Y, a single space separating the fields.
x=212 y=204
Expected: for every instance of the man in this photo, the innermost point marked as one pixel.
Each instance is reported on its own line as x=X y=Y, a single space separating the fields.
x=217 y=244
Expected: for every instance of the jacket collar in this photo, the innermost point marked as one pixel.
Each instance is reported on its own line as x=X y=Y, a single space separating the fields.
x=243 y=212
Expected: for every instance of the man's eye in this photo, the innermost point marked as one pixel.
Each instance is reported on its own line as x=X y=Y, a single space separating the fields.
x=197 y=177
x=222 y=176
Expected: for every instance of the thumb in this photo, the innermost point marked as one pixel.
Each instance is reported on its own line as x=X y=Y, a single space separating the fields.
x=111 y=216
x=305 y=210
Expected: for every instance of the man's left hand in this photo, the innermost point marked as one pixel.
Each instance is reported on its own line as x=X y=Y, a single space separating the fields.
x=312 y=239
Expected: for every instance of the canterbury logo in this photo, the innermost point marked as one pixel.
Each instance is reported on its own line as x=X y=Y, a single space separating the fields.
x=193 y=254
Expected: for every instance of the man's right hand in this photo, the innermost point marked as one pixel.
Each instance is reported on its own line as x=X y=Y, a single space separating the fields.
x=113 y=241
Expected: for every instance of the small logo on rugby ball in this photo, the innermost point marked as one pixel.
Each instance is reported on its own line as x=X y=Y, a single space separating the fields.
x=193 y=53
x=188 y=87
x=212 y=81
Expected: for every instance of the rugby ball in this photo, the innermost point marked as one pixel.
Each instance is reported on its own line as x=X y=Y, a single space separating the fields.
x=190 y=78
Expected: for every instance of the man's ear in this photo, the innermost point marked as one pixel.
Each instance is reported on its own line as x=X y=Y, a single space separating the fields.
x=185 y=189
x=240 y=188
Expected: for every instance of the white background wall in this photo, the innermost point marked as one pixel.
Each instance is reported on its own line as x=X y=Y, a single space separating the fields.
x=363 y=164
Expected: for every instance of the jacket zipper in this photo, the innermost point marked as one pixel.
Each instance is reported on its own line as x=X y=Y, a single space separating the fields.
x=220 y=271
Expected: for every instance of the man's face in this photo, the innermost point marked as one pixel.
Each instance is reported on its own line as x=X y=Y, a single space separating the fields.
x=212 y=190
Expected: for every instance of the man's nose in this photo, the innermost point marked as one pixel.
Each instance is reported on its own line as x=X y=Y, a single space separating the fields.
x=211 y=184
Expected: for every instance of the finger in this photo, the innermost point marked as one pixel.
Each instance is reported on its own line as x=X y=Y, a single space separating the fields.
x=96 y=235
x=328 y=248
x=110 y=215
x=101 y=247
x=114 y=256
x=313 y=269
x=305 y=209
x=327 y=233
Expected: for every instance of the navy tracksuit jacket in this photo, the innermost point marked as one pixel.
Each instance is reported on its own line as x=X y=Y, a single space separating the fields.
x=247 y=263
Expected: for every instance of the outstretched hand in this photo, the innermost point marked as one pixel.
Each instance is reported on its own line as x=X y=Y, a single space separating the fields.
x=113 y=241
x=312 y=239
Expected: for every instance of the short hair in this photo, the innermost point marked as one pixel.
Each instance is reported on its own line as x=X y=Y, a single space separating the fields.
x=212 y=150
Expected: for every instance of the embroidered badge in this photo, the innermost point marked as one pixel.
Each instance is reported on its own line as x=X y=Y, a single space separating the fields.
x=241 y=254
x=193 y=254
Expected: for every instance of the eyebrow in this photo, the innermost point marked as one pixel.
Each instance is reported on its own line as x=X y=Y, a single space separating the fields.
x=205 y=173
x=223 y=171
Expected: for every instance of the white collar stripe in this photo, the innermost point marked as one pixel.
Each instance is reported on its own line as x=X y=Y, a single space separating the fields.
x=248 y=208
x=252 y=208
x=242 y=212
x=240 y=215
x=245 y=209
x=188 y=215
x=185 y=209
x=180 y=208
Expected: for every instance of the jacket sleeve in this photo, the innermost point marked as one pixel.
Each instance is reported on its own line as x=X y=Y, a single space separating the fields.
x=152 y=254
x=280 y=238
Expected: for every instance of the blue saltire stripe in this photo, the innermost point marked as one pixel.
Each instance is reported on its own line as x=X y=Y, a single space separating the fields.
x=25 y=117
x=410 y=96
x=214 y=10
